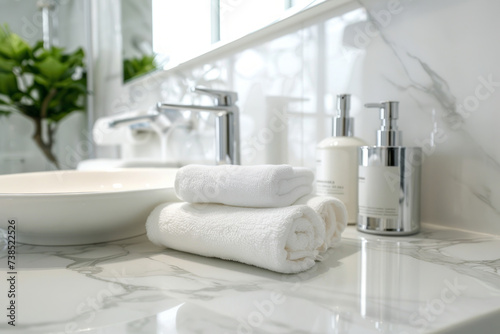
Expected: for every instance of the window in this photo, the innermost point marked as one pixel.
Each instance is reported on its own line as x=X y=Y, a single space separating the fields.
x=184 y=29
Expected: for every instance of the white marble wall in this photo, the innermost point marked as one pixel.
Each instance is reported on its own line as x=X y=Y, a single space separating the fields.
x=439 y=59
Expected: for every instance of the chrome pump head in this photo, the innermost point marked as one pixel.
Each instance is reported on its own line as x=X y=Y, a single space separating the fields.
x=388 y=135
x=343 y=124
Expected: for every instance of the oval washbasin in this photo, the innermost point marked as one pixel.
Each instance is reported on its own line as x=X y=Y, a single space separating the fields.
x=105 y=164
x=82 y=207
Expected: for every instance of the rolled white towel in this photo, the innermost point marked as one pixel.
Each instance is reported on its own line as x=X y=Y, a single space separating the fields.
x=284 y=240
x=248 y=186
x=333 y=213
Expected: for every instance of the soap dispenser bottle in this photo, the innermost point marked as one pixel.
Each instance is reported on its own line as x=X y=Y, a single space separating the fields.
x=389 y=180
x=337 y=160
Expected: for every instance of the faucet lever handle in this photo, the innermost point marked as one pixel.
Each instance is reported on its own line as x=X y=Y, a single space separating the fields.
x=222 y=97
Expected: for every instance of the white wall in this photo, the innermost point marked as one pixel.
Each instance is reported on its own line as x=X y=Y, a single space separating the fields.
x=439 y=59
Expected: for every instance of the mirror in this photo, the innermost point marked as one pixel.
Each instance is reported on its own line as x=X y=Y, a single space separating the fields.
x=157 y=34
x=137 y=38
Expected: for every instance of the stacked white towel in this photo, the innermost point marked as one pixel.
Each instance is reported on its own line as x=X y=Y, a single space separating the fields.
x=283 y=239
x=283 y=230
x=333 y=214
x=248 y=186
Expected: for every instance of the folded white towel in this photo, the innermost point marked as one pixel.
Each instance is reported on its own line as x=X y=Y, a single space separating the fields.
x=284 y=239
x=249 y=186
x=333 y=212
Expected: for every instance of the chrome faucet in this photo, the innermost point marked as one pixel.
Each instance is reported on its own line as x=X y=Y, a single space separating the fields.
x=227 y=136
x=164 y=121
x=133 y=119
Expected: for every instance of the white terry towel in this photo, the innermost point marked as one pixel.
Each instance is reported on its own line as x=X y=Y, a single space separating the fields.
x=284 y=240
x=248 y=186
x=333 y=212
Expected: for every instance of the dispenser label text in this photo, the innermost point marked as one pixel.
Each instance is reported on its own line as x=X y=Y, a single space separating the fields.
x=332 y=172
x=379 y=191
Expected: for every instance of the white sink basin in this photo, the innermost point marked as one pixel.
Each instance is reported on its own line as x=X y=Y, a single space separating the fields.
x=82 y=207
x=106 y=164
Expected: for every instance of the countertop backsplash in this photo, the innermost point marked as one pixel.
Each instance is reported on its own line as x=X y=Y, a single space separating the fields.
x=437 y=59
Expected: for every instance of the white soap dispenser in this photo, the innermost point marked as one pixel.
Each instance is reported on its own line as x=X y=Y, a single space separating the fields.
x=389 y=179
x=337 y=160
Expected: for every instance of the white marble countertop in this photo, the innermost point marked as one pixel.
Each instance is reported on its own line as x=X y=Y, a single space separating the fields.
x=439 y=280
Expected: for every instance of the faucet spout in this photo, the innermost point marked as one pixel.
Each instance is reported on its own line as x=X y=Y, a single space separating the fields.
x=133 y=119
x=227 y=137
x=215 y=109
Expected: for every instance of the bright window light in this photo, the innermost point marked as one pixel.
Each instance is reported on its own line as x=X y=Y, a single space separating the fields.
x=181 y=28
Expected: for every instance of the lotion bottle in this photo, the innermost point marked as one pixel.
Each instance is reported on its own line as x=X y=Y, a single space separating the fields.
x=389 y=179
x=337 y=160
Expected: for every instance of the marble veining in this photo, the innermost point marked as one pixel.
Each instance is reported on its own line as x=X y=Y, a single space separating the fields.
x=438 y=88
x=369 y=284
x=423 y=52
x=417 y=52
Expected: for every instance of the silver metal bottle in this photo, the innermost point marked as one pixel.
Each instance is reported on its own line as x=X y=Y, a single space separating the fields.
x=389 y=180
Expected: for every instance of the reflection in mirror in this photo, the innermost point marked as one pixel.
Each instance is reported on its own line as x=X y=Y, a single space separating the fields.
x=158 y=32
x=137 y=38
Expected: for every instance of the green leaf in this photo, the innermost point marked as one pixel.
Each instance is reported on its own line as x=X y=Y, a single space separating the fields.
x=38 y=46
x=17 y=96
x=5 y=107
x=12 y=46
x=7 y=65
x=137 y=66
x=75 y=59
x=4 y=113
x=52 y=69
x=8 y=83
x=42 y=81
x=28 y=75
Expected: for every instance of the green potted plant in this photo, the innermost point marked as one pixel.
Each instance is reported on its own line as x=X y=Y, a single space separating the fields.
x=44 y=85
x=138 y=66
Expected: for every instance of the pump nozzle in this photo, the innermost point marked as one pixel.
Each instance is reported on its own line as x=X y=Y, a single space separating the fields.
x=343 y=124
x=388 y=135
